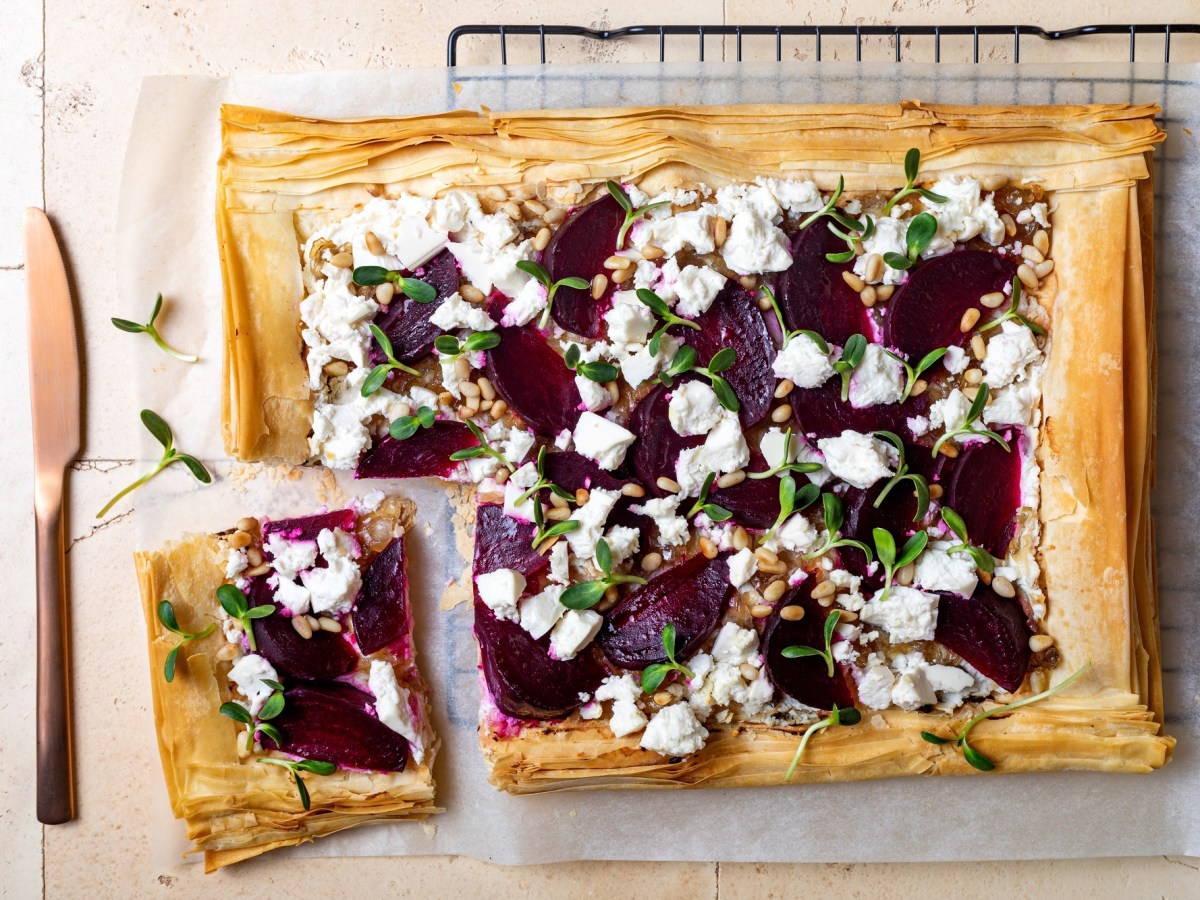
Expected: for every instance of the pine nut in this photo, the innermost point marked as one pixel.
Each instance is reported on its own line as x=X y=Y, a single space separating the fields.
x=651 y=561
x=501 y=476
x=904 y=577
x=730 y=479
x=620 y=276
x=792 y=613
x=764 y=303
x=373 y=244
x=599 y=286
x=445 y=398
x=615 y=262
x=257 y=571
x=254 y=556
x=948 y=450
x=873 y=268
x=472 y=403
x=343 y=260
x=336 y=369
x=969 y=320
x=670 y=485
x=749 y=673
x=248 y=523
x=935 y=491
x=403 y=409
x=495 y=192
x=559 y=502
x=312 y=622
x=581 y=496
x=867 y=296
x=462 y=368
x=511 y=210
x=775 y=590
x=971 y=392
x=469 y=389
x=766 y=556
x=526 y=192
x=824 y=589
x=385 y=293
x=1041 y=240
x=1003 y=586
x=542 y=238
x=663 y=698
x=1028 y=277
x=633 y=490
x=781 y=413
x=740 y=538
x=471 y=294
x=1031 y=254
x=978 y=347
x=973 y=376
x=558 y=514
x=534 y=208
x=375 y=190
x=760 y=610
x=614 y=392
x=652 y=252
x=918 y=388
x=708 y=548
x=485 y=405
x=465 y=412
x=554 y=216
x=720 y=231
x=1040 y=642
x=750 y=283
x=826 y=602
x=1042 y=269
x=784 y=388
x=856 y=283
x=328 y=624
x=885 y=291
x=611 y=594
x=485 y=389
x=848 y=616
x=1010 y=226
x=985 y=577
x=301 y=627
x=776 y=568
x=499 y=408
x=992 y=183
x=993 y=300
x=239 y=539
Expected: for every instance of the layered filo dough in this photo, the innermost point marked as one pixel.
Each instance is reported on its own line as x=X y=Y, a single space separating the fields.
x=235 y=807
x=281 y=176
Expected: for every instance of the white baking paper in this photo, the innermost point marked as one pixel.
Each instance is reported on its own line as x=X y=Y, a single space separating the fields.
x=166 y=225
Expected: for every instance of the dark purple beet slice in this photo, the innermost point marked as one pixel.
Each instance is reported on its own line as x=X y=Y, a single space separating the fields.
x=306 y=528
x=755 y=502
x=805 y=679
x=502 y=542
x=658 y=446
x=406 y=322
x=813 y=294
x=691 y=596
x=534 y=380
x=988 y=631
x=381 y=611
x=324 y=655
x=821 y=412
x=334 y=722
x=425 y=454
x=735 y=321
x=572 y=471
x=525 y=681
x=983 y=485
x=578 y=250
x=926 y=310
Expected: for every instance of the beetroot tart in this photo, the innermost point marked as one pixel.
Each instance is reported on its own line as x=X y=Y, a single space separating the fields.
x=809 y=444
x=286 y=691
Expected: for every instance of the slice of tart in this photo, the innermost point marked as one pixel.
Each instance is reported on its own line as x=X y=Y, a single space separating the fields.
x=286 y=692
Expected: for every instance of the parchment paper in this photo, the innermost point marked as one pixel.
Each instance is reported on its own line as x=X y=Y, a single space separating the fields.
x=166 y=224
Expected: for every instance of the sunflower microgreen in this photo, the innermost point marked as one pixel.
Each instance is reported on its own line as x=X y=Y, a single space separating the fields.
x=786 y=462
x=835 y=515
x=543 y=483
x=852 y=354
x=538 y=273
x=791 y=500
x=853 y=238
x=236 y=606
x=484 y=448
x=296 y=766
x=542 y=533
x=922 y=229
x=450 y=348
x=984 y=561
x=413 y=288
x=632 y=214
x=260 y=723
x=968 y=424
x=374 y=381
x=885 y=548
x=587 y=594
x=704 y=505
x=848 y=716
x=659 y=307
x=800 y=651
x=406 y=426
x=654 y=674
x=684 y=362
x=973 y=756
x=904 y=473
x=1013 y=314
x=912 y=373
x=600 y=372
x=912 y=165
x=166 y=615
x=162 y=433
x=150 y=329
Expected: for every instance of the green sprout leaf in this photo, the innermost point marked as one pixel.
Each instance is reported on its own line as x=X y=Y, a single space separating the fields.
x=983 y=560
x=541 y=533
x=600 y=372
x=1013 y=314
x=451 y=348
x=801 y=468
x=659 y=307
x=912 y=165
x=406 y=426
x=885 y=549
x=631 y=214
x=543 y=483
x=852 y=355
x=684 y=362
x=801 y=650
x=791 y=500
x=654 y=674
x=849 y=716
x=314 y=766
x=853 y=238
x=379 y=374
x=703 y=505
x=835 y=515
x=968 y=425
x=162 y=433
x=149 y=328
x=903 y=473
x=414 y=288
x=236 y=606
x=912 y=373
x=587 y=594
x=539 y=274
x=166 y=615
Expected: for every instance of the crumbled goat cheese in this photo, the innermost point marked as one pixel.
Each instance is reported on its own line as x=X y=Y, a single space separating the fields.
x=1016 y=404
x=877 y=379
x=290 y=558
x=526 y=306
x=754 y=245
x=672 y=234
x=629 y=322
x=852 y=599
x=591 y=518
x=623 y=691
x=951 y=411
x=513 y=443
x=938 y=570
x=875 y=685
x=295 y=598
x=334 y=587
x=622 y=543
x=724 y=450
x=964 y=215
x=235 y=563
x=500 y=590
x=487 y=250
x=638 y=365
x=402 y=229
x=736 y=198
x=560 y=563
x=742 y=566
x=602 y=440
x=906 y=614
x=250 y=674
x=674 y=731
x=796 y=534
x=595 y=396
x=1008 y=355
x=858 y=459
x=694 y=408
x=802 y=361
x=797 y=197
x=889 y=235
x=518 y=483
x=541 y=612
x=672 y=528
x=455 y=312
x=574 y=631
x=955 y=360
x=696 y=287
x=777 y=447
x=393 y=706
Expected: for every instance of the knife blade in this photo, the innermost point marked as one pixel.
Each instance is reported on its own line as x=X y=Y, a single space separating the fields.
x=54 y=394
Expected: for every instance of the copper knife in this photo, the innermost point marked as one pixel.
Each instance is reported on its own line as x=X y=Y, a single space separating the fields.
x=54 y=393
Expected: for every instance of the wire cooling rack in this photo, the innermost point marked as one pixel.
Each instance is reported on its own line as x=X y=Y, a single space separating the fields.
x=892 y=34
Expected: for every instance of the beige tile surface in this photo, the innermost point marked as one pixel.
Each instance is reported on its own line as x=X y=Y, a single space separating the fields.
x=96 y=53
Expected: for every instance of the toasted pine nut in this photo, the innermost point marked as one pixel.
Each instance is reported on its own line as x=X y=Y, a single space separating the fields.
x=720 y=231
x=558 y=514
x=848 y=616
x=971 y=392
x=1003 y=586
x=581 y=496
x=663 y=698
x=385 y=293
x=554 y=216
x=775 y=590
x=651 y=561
x=867 y=296
x=257 y=570
x=501 y=476
x=254 y=556
x=471 y=294
x=1040 y=642
x=652 y=252
x=633 y=490
x=792 y=613
x=511 y=210
x=776 y=568
x=465 y=411
x=948 y=450
x=462 y=368
x=485 y=405
x=534 y=208
x=740 y=538
x=248 y=523
x=559 y=502
x=1032 y=254
x=873 y=268
x=499 y=408
x=766 y=556
x=495 y=192
x=1010 y=226
x=993 y=300
x=670 y=485
x=905 y=575
x=985 y=577
x=935 y=491
x=445 y=398
x=978 y=347
x=750 y=283
x=824 y=589
x=781 y=413
x=749 y=672
x=542 y=238
x=1028 y=277
x=328 y=624
x=485 y=389
x=239 y=539
x=856 y=283
x=525 y=192
x=729 y=479
x=708 y=548
x=615 y=262
x=973 y=376
x=918 y=387
x=969 y=320
x=469 y=389
x=373 y=244
x=784 y=388
x=1042 y=269
x=375 y=190
x=343 y=260
x=1041 y=240
x=472 y=403
x=760 y=611
x=885 y=291
x=599 y=286
x=620 y=276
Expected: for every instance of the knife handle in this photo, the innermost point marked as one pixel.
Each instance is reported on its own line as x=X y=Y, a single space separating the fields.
x=55 y=777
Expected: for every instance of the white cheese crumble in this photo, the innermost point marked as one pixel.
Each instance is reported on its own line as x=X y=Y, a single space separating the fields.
x=574 y=631
x=250 y=674
x=955 y=360
x=696 y=287
x=602 y=440
x=500 y=591
x=907 y=614
x=235 y=563
x=560 y=563
x=938 y=570
x=724 y=450
x=392 y=706
x=334 y=587
x=963 y=216
x=859 y=459
x=672 y=528
x=623 y=542
x=529 y=303
x=541 y=612
x=518 y=483
x=802 y=361
x=889 y=237
x=595 y=396
x=754 y=245
x=455 y=312
x=797 y=534
x=629 y=320
x=877 y=379
x=295 y=598
x=623 y=691
x=951 y=411
x=694 y=408
x=591 y=518
x=1008 y=355
x=797 y=197
x=674 y=731
x=742 y=566
x=777 y=447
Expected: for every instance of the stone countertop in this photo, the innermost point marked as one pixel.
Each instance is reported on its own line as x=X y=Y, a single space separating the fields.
x=69 y=77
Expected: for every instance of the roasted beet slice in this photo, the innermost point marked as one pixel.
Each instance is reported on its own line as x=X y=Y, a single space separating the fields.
x=926 y=310
x=755 y=501
x=812 y=293
x=381 y=611
x=578 y=250
x=502 y=542
x=572 y=471
x=324 y=655
x=406 y=322
x=988 y=631
x=983 y=485
x=306 y=528
x=805 y=679
x=534 y=380
x=658 y=446
x=822 y=412
x=691 y=596
x=335 y=722
x=525 y=681
x=425 y=454
x=735 y=321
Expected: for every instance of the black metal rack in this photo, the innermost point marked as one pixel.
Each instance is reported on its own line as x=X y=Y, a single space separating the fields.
x=818 y=33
